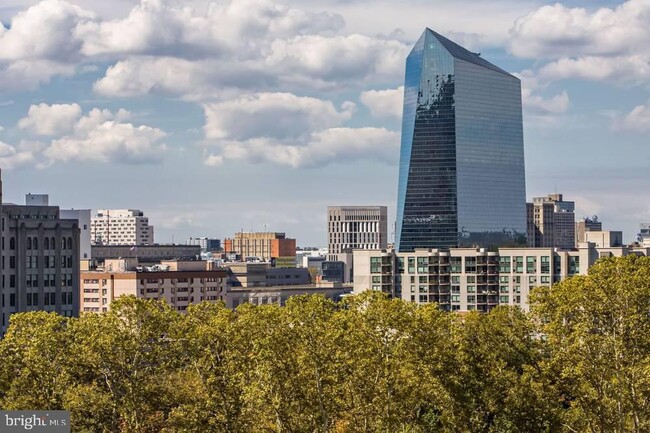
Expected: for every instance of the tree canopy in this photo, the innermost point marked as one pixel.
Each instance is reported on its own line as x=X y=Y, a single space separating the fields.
x=579 y=362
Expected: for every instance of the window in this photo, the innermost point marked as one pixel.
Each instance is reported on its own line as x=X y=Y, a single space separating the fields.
x=12 y=300
x=546 y=265
x=375 y=265
x=12 y=243
x=531 y=264
x=519 y=264
x=411 y=265
x=35 y=243
x=12 y=262
x=29 y=247
x=423 y=265
x=46 y=243
x=470 y=265
x=456 y=265
x=504 y=264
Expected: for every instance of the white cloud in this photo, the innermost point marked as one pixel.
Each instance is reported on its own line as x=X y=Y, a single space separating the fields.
x=44 y=31
x=637 y=120
x=239 y=27
x=103 y=136
x=29 y=74
x=634 y=69
x=320 y=148
x=53 y=119
x=273 y=115
x=12 y=157
x=558 y=31
x=384 y=103
x=290 y=130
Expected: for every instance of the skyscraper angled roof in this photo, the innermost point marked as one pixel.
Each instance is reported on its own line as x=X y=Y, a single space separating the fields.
x=463 y=54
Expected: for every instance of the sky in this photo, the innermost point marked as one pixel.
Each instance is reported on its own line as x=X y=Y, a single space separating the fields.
x=219 y=116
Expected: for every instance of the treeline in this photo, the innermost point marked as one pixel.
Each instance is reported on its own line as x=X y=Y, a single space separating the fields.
x=579 y=362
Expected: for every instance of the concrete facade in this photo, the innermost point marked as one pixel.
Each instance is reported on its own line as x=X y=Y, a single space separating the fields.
x=83 y=217
x=146 y=253
x=355 y=228
x=180 y=284
x=40 y=260
x=587 y=225
x=551 y=222
x=467 y=279
x=121 y=227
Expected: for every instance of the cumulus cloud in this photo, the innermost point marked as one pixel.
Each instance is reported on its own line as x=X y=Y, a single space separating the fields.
x=53 y=119
x=320 y=148
x=103 y=136
x=99 y=135
x=240 y=27
x=44 y=31
x=290 y=130
x=384 y=103
x=559 y=31
x=272 y=115
x=637 y=120
x=14 y=156
x=607 y=44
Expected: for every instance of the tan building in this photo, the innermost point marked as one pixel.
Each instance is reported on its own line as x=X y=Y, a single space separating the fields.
x=260 y=245
x=120 y=227
x=180 y=283
x=551 y=222
x=587 y=225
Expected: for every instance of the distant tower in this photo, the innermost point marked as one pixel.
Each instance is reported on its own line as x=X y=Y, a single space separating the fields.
x=461 y=174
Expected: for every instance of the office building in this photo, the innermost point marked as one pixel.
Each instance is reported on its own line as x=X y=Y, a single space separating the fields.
x=40 y=259
x=461 y=172
x=356 y=228
x=587 y=225
x=551 y=222
x=260 y=246
x=121 y=227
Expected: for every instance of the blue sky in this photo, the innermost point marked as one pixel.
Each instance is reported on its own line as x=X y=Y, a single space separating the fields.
x=217 y=116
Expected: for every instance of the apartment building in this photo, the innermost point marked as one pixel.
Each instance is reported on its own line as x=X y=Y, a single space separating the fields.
x=179 y=283
x=121 y=227
x=466 y=279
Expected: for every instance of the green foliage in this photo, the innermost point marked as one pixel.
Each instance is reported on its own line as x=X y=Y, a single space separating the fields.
x=578 y=363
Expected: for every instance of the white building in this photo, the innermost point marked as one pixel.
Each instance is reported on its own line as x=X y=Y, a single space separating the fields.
x=83 y=216
x=465 y=279
x=121 y=227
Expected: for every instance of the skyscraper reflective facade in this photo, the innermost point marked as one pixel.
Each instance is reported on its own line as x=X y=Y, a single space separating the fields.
x=461 y=175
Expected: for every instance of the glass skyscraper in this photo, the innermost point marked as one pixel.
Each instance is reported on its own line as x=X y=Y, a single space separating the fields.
x=461 y=174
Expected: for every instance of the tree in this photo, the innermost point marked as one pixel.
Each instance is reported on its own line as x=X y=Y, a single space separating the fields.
x=598 y=333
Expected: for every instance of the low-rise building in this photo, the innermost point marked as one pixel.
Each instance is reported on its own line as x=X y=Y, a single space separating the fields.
x=179 y=283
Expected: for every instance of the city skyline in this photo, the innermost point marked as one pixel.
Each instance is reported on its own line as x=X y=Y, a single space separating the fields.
x=212 y=130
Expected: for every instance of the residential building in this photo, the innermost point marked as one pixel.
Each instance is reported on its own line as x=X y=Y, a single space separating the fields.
x=179 y=283
x=207 y=244
x=261 y=246
x=551 y=222
x=587 y=225
x=466 y=279
x=461 y=172
x=40 y=259
x=121 y=227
